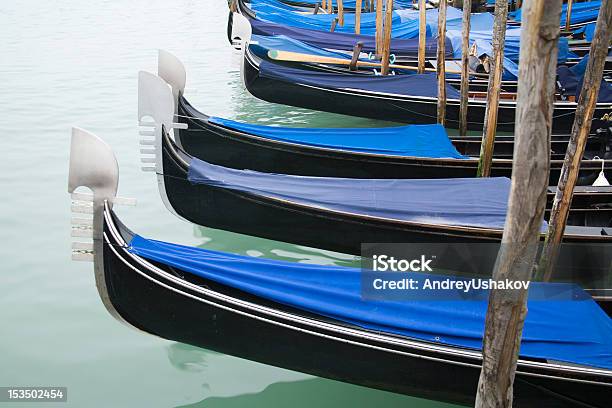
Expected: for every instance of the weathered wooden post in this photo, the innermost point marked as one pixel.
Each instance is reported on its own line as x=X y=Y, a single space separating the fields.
x=568 y=15
x=340 y=12
x=465 y=84
x=507 y=308
x=324 y=4
x=379 y=28
x=441 y=62
x=333 y=25
x=422 y=36
x=357 y=16
x=356 y=51
x=386 y=50
x=495 y=77
x=580 y=132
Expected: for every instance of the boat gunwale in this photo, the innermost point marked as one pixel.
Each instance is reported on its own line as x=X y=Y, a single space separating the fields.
x=456 y=163
x=348 y=330
x=482 y=232
x=558 y=105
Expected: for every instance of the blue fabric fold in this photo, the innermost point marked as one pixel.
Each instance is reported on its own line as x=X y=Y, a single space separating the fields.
x=574 y=331
x=418 y=85
x=454 y=19
x=511 y=45
x=346 y=41
x=351 y=4
x=470 y=202
x=276 y=12
x=571 y=79
x=411 y=140
x=261 y=44
x=581 y=12
x=588 y=30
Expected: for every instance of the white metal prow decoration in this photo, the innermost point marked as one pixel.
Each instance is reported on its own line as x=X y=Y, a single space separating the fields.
x=93 y=165
x=172 y=70
x=241 y=31
x=155 y=101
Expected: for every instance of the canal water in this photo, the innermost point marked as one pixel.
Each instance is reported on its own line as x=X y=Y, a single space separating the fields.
x=69 y=62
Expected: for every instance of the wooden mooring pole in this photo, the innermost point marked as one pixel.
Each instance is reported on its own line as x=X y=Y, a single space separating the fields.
x=340 y=12
x=568 y=15
x=441 y=62
x=465 y=84
x=578 y=139
x=379 y=28
x=507 y=308
x=357 y=17
x=386 y=50
x=494 y=89
x=422 y=36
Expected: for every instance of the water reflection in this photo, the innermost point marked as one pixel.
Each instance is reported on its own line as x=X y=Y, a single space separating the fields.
x=219 y=240
x=225 y=376
x=232 y=382
x=247 y=108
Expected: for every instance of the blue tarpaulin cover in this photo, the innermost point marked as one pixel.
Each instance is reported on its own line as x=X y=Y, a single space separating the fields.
x=276 y=12
x=411 y=140
x=581 y=12
x=351 y=4
x=423 y=85
x=472 y=202
x=483 y=46
x=511 y=45
x=588 y=30
x=575 y=331
x=478 y=21
x=346 y=41
x=261 y=44
x=571 y=80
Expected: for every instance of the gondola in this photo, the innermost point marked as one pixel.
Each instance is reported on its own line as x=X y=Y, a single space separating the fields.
x=242 y=146
x=404 y=98
x=240 y=30
x=404 y=49
x=214 y=196
x=241 y=26
x=268 y=47
x=205 y=298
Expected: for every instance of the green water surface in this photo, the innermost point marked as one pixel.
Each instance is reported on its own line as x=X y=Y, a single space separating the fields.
x=66 y=63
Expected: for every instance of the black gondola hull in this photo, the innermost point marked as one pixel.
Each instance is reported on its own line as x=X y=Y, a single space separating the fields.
x=393 y=108
x=158 y=300
x=250 y=214
x=228 y=148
